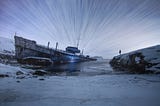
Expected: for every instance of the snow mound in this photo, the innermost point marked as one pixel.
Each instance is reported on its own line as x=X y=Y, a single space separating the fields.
x=14 y=71
x=6 y=46
x=143 y=60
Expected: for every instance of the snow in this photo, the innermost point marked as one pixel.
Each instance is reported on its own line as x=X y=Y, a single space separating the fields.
x=6 y=45
x=112 y=90
x=86 y=90
x=137 y=59
x=151 y=55
x=11 y=70
x=41 y=58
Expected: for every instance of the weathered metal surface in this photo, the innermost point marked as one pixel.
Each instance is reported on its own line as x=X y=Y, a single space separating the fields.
x=27 y=48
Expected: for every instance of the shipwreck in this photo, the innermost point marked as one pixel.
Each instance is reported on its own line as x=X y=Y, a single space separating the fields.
x=29 y=52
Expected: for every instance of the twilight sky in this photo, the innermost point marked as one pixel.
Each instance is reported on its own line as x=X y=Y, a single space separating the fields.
x=103 y=26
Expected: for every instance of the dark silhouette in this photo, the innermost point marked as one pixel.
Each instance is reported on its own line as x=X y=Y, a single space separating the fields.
x=48 y=44
x=120 y=52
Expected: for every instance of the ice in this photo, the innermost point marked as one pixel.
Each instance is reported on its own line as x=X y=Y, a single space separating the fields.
x=80 y=90
x=112 y=90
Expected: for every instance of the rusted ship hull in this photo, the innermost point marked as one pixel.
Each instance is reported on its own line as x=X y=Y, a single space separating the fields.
x=27 y=50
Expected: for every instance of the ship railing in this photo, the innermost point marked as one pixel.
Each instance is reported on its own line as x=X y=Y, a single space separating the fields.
x=59 y=50
x=42 y=46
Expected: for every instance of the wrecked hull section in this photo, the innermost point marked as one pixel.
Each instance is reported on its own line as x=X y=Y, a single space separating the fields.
x=29 y=52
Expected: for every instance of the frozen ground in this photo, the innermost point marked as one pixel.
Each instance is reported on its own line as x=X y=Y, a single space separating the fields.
x=82 y=89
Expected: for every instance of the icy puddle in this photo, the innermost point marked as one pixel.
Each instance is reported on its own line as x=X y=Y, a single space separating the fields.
x=93 y=85
x=92 y=68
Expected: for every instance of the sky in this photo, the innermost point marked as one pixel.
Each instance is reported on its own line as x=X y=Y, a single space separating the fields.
x=102 y=27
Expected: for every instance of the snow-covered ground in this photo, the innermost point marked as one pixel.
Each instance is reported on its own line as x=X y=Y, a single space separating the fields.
x=83 y=90
x=102 y=90
x=11 y=71
x=6 y=45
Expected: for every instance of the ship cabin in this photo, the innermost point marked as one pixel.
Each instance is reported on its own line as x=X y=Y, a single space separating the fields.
x=73 y=50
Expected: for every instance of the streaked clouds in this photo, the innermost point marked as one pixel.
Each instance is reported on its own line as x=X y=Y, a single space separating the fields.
x=103 y=26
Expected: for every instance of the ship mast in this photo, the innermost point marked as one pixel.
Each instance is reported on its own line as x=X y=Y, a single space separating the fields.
x=56 y=45
x=78 y=40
